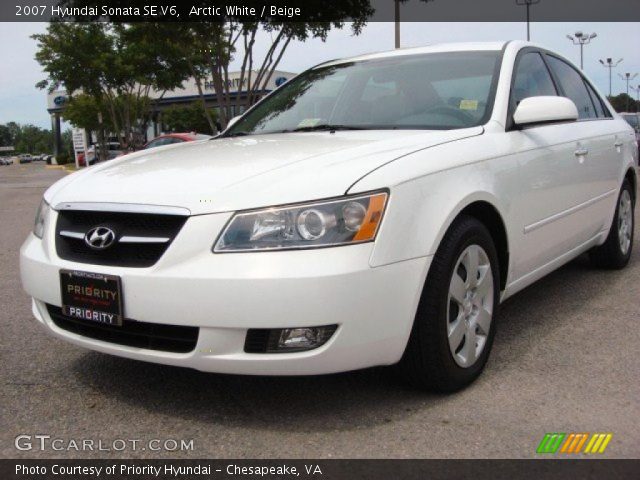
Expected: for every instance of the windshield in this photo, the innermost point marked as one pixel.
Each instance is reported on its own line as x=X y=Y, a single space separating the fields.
x=437 y=91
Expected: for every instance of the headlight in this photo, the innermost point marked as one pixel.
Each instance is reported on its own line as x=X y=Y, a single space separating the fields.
x=41 y=218
x=344 y=221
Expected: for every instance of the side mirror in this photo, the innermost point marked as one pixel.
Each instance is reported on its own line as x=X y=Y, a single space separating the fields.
x=541 y=110
x=233 y=120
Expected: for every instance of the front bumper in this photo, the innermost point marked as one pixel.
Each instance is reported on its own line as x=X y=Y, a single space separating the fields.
x=226 y=294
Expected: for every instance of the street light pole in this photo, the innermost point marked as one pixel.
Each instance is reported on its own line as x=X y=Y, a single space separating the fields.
x=637 y=90
x=397 y=22
x=397 y=19
x=628 y=77
x=582 y=39
x=528 y=4
x=610 y=64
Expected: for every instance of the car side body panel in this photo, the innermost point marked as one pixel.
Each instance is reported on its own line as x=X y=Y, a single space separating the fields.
x=554 y=203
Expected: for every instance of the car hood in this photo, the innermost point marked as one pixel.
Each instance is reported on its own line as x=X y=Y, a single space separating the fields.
x=237 y=173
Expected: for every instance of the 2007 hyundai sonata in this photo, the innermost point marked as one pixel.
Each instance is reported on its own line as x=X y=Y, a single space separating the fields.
x=371 y=211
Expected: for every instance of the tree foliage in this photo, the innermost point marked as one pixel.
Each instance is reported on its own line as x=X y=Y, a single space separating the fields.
x=26 y=138
x=206 y=49
x=624 y=103
x=83 y=111
x=116 y=65
x=189 y=118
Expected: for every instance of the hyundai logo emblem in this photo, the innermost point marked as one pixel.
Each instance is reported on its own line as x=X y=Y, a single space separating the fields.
x=59 y=100
x=280 y=81
x=100 y=238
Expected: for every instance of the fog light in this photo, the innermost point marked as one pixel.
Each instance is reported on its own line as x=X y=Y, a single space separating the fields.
x=303 y=338
x=287 y=340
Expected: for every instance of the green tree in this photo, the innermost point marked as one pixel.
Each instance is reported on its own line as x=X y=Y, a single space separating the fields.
x=75 y=57
x=210 y=47
x=5 y=136
x=190 y=118
x=236 y=39
x=83 y=111
x=26 y=138
x=624 y=103
x=116 y=65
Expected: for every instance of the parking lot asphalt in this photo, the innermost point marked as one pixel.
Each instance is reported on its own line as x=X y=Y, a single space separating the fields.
x=566 y=358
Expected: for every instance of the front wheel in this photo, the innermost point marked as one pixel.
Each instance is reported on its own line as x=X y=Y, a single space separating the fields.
x=616 y=250
x=454 y=329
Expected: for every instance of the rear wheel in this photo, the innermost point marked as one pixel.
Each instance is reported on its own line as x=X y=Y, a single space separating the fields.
x=616 y=251
x=453 y=330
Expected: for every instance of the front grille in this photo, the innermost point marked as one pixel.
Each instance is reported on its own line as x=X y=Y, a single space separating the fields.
x=136 y=226
x=152 y=336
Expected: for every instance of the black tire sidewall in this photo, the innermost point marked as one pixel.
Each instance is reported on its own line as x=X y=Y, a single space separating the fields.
x=624 y=258
x=465 y=231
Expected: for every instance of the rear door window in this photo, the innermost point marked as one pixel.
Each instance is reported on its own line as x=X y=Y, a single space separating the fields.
x=573 y=87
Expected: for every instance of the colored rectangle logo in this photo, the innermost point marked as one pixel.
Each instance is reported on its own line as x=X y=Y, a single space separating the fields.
x=574 y=443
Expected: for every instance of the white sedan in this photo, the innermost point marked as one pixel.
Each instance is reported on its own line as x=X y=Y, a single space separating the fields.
x=372 y=211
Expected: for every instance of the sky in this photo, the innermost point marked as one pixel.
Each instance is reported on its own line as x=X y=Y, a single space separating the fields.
x=21 y=102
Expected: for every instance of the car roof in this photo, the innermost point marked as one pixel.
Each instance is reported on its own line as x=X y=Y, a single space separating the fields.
x=435 y=48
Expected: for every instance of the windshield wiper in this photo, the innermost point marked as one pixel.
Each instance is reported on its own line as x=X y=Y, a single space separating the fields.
x=325 y=127
x=237 y=134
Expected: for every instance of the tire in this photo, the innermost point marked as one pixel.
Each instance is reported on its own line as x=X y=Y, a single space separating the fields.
x=615 y=252
x=429 y=362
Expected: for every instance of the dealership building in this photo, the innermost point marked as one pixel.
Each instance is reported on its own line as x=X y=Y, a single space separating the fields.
x=186 y=95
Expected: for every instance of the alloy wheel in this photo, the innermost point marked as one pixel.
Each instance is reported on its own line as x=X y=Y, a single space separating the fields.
x=470 y=306
x=625 y=221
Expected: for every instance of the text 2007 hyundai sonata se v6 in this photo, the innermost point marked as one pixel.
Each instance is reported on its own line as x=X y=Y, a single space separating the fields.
x=371 y=211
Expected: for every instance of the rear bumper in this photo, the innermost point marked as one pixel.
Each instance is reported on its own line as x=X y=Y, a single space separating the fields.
x=226 y=294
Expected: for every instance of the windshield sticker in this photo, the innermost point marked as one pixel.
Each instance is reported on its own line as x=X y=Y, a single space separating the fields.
x=468 y=104
x=309 y=122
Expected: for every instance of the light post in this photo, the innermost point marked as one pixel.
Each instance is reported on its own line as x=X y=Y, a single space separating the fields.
x=396 y=14
x=610 y=64
x=628 y=77
x=528 y=4
x=582 y=39
x=637 y=90
x=397 y=22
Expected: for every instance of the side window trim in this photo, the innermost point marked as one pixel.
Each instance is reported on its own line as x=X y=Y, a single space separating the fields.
x=603 y=105
x=591 y=92
x=588 y=87
x=512 y=107
x=554 y=80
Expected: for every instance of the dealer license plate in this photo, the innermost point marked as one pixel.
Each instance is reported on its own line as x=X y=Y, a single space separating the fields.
x=90 y=296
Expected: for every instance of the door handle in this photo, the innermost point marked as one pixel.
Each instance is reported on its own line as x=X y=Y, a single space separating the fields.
x=618 y=144
x=581 y=152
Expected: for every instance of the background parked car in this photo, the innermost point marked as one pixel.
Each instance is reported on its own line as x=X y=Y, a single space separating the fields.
x=6 y=160
x=633 y=119
x=171 y=138
x=25 y=158
x=82 y=162
x=93 y=153
x=113 y=150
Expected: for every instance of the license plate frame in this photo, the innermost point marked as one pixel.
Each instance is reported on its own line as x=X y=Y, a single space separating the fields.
x=90 y=296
